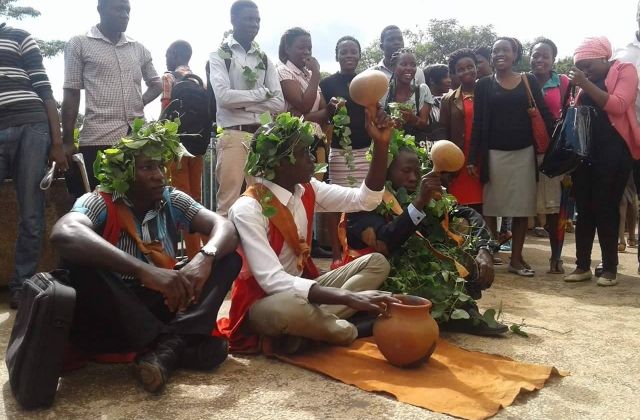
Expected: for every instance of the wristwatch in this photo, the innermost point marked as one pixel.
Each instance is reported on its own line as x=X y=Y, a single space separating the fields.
x=209 y=251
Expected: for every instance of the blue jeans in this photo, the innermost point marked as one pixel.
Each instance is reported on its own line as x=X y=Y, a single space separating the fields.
x=24 y=151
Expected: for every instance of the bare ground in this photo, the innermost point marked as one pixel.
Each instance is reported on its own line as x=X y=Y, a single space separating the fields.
x=591 y=331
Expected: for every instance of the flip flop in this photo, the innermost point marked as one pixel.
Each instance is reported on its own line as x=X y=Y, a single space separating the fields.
x=523 y=272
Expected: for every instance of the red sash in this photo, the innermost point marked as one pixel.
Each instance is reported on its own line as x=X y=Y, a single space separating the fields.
x=246 y=291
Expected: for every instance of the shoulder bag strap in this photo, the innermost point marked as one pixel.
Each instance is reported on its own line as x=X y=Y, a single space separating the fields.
x=525 y=80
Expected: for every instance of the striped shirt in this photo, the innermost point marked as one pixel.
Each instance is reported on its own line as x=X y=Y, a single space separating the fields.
x=175 y=206
x=24 y=84
x=111 y=75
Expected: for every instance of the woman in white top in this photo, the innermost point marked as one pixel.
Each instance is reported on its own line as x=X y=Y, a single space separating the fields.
x=413 y=103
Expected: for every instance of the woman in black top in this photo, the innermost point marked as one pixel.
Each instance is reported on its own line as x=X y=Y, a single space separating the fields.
x=347 y=166
x=502 y=146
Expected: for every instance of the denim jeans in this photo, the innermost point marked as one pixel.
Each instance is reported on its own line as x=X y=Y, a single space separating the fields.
x=23 y=156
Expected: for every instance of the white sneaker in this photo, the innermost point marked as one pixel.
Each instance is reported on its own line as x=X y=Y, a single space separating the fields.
x=575 y=277
x=606 y=282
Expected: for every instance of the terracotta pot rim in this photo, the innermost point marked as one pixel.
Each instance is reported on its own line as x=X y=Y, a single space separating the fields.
x=422 y=303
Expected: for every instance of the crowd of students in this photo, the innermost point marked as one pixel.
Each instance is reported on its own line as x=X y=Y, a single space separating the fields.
x=120 y=246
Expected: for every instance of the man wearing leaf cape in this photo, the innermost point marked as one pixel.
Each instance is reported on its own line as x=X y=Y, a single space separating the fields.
x=119 y=244
x=433 y=244
x=279 y=299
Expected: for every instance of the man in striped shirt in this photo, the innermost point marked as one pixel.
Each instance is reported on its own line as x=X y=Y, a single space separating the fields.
x=29 y=136
x=120 y=250
x=110 y=67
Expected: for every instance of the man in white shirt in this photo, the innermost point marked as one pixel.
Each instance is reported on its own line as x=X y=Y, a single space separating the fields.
x=273 y=219
x=245 y=84
x=391 y=40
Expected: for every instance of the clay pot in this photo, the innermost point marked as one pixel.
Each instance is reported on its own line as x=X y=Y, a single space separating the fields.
x=367 y=88
x=406 y=333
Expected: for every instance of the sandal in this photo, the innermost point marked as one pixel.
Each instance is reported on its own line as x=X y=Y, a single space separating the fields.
x=540 y=232
x=621 y=247
x=504 y=237
x=524 y=272
x=632 y=243
x=555 y=267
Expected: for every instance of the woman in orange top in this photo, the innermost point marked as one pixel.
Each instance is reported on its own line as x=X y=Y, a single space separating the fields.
x=456 y=116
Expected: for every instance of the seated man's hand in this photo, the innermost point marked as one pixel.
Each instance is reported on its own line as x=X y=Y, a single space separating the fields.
x=370 y=300
x=429 y=184
x=173 y=284
x=485 y=269
x=197 y=272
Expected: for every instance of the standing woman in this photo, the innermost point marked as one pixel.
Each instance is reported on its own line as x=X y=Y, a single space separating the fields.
x=299 y=74
x=542 y=56
x=342 y=172
x=610 y=87
x=502 y=146
x=456 y=116
x=483 y=62
x=337 y=86
x=415 y=101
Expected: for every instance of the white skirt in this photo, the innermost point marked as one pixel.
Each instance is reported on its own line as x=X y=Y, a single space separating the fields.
x=511 y=190
x=549 y=192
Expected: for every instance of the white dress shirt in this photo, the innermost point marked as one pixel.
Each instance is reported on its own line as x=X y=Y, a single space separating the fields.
x=237 y=103
x=279 y=273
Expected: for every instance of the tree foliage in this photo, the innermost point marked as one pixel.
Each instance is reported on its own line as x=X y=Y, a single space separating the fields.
x=8 y=10
x=434 y=44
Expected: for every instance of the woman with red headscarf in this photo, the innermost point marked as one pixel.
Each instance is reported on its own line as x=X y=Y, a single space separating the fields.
x=610 y=87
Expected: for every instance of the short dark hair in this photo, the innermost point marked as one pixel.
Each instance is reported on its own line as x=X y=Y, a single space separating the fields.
x=458 y=55
x=516 y=46
x=435 y=72
x=182 y=49
x=387 y=29
x=484 y=52
x=347 y=38
x=396 y=55
x=287 y=40
x=240 y=5
x=547 y=41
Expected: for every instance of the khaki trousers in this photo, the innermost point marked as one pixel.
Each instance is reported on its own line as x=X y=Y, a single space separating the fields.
x=288 y=313
x=231 y=154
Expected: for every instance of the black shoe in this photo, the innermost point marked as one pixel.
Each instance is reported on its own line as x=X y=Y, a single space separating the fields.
x=208 y=354
x=154 y=367
x=363 y=322
x=14 y=298
x=319 y=252
x=600 y=268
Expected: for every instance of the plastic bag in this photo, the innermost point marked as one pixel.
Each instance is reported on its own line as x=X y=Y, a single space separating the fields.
x=570 y=142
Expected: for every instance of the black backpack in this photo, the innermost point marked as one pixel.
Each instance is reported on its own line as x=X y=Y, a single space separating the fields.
x=190 y=103
x=211 y=100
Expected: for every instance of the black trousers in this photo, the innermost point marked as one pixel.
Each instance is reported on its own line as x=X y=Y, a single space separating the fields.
x=599 y=185
x=113 y=316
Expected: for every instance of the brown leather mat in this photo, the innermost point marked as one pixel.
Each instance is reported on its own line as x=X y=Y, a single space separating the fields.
x=461 y=383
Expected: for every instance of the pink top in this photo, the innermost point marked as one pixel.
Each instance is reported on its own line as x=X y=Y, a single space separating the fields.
x=622 y=85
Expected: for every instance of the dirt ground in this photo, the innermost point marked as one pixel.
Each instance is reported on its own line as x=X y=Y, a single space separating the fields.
x=591 y=331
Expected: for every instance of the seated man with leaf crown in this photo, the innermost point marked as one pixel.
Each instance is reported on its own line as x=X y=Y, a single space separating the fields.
x=429 y=239
x=120 y=242
x=279 y=299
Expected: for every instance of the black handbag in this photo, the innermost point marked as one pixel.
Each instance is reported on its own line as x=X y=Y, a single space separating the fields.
x=36 y=348
x=571 y=138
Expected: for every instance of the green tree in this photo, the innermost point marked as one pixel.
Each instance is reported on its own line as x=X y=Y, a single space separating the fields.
x=8 y=10
x=433 y=45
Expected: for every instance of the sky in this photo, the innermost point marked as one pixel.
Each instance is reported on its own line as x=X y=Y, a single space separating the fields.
x=157 y=23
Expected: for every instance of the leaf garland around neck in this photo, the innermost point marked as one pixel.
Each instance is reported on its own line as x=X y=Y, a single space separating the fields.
x=250 y=75
x=159 y=140
x=342 y=132
x=400 y=140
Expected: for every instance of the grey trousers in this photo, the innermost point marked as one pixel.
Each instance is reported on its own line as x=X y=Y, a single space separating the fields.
x=288 y=313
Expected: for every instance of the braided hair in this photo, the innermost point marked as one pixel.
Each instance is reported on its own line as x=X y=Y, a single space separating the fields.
x=458 y=55
x=516 y=46
x=392 y=82
x=287 y=40
x=348 y=38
